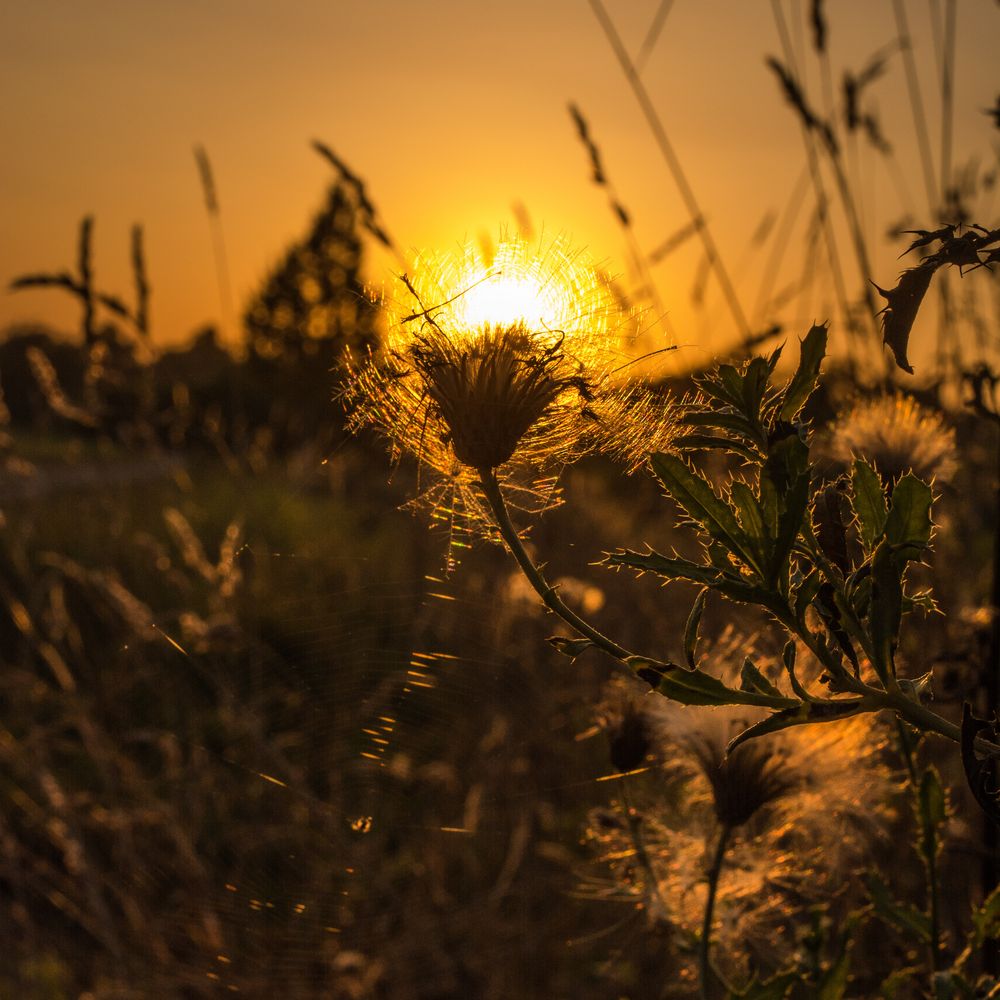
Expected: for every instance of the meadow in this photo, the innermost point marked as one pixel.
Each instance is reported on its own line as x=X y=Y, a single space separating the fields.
x=433 y=645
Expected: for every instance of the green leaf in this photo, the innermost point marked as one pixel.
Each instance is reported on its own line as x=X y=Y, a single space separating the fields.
x=806 y=594
x=895 y=981
x=833 y=984
x=788 y=659
x=868 y=502
x=986 y=920
x=775 y=988
x=933 y=805
x=695 y=687
x=755 y=381
x=787 y=471
x=803 y=382
x=695 y=495
x=672 y=568
x=908 y=524
x=910 y=921
x=706 y=442
x=732 y=423
x=751 y=679
x=804 y=713
x=751 y=518
x=691 y=629
x=886 y=609
x=567 y=646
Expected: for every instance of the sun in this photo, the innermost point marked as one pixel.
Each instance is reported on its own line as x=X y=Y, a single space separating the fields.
x=503 y=296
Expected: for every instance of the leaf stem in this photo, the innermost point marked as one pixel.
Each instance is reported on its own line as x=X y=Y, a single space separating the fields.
x=705 y=942
x=549 y=595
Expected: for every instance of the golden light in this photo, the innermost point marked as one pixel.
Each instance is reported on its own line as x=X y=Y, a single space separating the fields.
x=504 y=297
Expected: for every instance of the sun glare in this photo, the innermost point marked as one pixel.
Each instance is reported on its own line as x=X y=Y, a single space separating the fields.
x=502 y=298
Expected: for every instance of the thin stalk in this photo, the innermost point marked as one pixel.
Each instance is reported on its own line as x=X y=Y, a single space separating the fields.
x=642 y=855
x=705 y=943
x=916 y=104
x=933 y=901
x=674 y=166
x=549 y=595
x=822 y=199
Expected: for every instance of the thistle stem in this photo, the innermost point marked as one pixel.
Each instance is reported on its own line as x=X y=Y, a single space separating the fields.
x=705 y=943
x=549 y=595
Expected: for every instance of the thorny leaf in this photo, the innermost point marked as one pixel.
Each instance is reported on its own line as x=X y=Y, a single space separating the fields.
x=803 y=382
x=691 y=629
x=903 y=304
x=801 y=714
x=868 y=502
x=568 y=646
x=695 y=687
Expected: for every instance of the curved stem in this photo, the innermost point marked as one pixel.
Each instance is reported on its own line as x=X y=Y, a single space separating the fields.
x=705 y=943
x=549 y=595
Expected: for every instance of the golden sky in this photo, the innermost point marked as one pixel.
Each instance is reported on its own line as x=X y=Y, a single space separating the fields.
x=452 y=111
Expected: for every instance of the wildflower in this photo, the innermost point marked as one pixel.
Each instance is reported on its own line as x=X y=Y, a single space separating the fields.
x=493 y=368
x=795 y=812
x=896 y=434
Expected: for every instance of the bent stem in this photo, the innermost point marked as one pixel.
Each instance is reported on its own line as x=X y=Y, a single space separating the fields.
x=549 y=595
x=705 y=943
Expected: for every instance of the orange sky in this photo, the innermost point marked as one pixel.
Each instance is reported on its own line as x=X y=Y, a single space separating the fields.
x=451 y=111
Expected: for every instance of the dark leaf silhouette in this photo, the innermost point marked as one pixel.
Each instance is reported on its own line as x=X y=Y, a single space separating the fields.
x=903 y=304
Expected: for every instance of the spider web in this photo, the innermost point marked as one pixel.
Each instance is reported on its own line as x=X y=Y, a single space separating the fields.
x=422 y=795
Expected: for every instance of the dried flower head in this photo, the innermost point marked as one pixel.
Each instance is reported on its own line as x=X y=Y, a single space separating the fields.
x=802 y=806
x=896 y=434
x=493 y=365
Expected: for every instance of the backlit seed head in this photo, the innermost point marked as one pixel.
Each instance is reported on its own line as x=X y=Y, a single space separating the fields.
x=897 y=435
x=498 y=365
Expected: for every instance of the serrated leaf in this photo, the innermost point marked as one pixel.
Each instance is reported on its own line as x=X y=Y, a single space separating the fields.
x=672 y=568
x=806 y=594
x=788 y=659
x=695 y=687
x=787 y=470
x=868 y=501
x=568 y=646
x=803 y=382
x=706 y=442
x=751 y=679
x=907 y=919
x=751 y=516
x=799 y=714
x=755 y=381
x=908 y=524
x=691 y=629
x=728 y=423
x=699 y=500
x=886 y=609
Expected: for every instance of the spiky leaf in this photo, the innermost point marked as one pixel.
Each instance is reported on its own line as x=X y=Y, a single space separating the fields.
x=803 y=382
x=886 y=609
x=700 y=502
x=908 y=524
x=799 y=714
x=691 y=629
x=868 y=502
x=695 y=687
